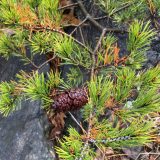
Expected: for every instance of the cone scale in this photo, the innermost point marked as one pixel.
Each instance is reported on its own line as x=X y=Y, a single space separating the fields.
x=73 y=99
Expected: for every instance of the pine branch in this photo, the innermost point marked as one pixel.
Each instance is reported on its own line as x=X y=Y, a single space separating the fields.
x=94 y=55
x=123 y=93
x=95 y=23
x=86 y=144
x=62 y=33
x=91 y=114
x=116 y=11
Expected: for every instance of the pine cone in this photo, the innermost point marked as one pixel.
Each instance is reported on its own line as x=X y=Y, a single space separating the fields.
x=70 y=100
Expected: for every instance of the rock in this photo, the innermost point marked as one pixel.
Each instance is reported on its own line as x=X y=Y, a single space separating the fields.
x=132 y=152
x=152 y=56
x=22 y=134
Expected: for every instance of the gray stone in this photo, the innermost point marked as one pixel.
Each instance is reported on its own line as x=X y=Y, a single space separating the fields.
x=152 y=56
x=23 y=133
x=133 y=152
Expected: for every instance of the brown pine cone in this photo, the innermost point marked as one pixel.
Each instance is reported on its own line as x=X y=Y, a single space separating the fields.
x=70 y=100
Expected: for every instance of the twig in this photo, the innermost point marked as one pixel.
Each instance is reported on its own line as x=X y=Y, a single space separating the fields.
x=100 y=18
x=116 y=155
x=116 y=11
x=150 y=153
x=46 y=62
x=15 y=49
x=100 y=27
x=157 y=157
x=100 y=67
x=103 y=66
x=100 y=40
x=95 y=23
x=79 y=25
x=123 y=7
x=83 y=152
x=68 y=6
x=32 y=63
x=80 y=30
x=77 y=122
x=95 y=52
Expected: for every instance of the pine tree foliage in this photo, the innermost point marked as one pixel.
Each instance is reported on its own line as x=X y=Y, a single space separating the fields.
x=106 y=54
x=135 y=130
x=29 y=86
x=147 y=100
x=104 y=134
x=14 y=45
x=71 y=147
x=27 y=12
x=123 y=11
x=9 y=98
x=124 y=83
x=41 y=43
x=148 y=79
x=139 y=39
x=75 y=77
x=100 y=91
x=69 y=51
x=119 y=92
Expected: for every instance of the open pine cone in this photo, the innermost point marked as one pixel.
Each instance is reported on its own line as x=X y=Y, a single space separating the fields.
x=70 y=100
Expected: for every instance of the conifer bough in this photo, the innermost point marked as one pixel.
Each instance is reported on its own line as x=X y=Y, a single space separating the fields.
x=70 y=100
x=119 y=86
